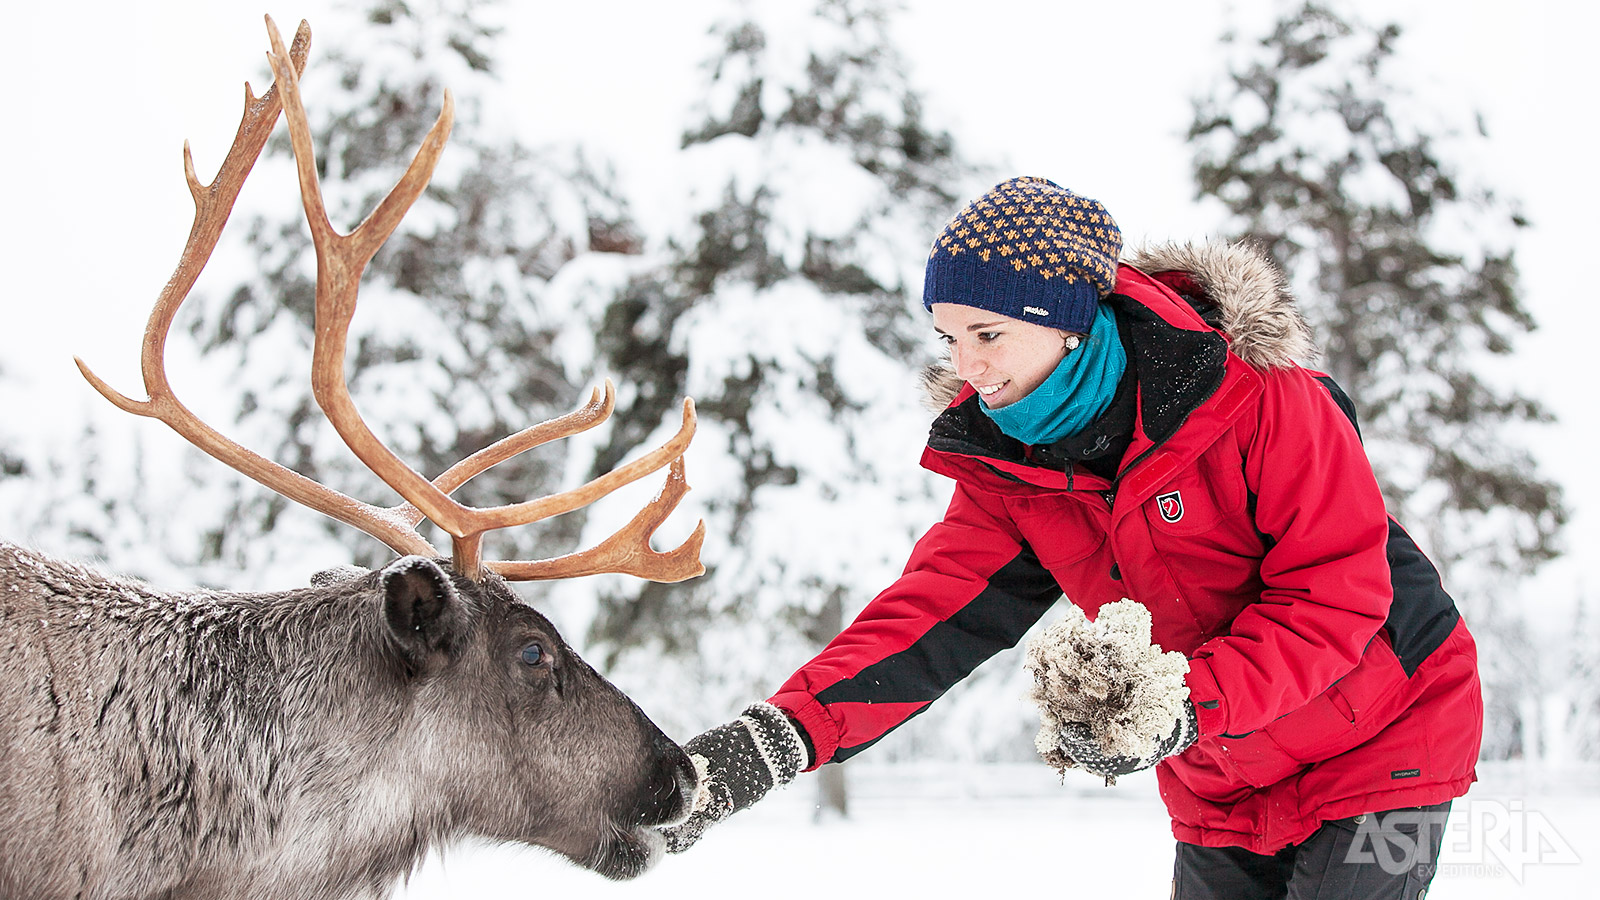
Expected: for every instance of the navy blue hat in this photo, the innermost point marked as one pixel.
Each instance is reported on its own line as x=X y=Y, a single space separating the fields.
x=1029 y=249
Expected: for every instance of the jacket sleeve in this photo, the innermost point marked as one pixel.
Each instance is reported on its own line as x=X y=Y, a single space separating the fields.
x=1326 y=588
x=971 y=589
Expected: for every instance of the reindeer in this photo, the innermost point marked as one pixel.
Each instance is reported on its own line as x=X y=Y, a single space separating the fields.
x=315 y=743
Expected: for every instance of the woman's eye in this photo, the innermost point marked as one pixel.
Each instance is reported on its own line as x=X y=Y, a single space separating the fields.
x=987 y=336
x=534 y=654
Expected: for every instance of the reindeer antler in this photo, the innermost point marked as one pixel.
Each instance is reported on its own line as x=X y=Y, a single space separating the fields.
x=341 y=259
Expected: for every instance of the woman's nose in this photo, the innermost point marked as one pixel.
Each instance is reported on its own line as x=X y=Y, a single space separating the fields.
x=967 y=363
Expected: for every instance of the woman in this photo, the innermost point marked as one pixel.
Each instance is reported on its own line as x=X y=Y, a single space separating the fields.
x=1142 y=431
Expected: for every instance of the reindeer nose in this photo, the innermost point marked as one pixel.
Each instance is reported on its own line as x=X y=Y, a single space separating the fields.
x=686 y=783
x=669 y=796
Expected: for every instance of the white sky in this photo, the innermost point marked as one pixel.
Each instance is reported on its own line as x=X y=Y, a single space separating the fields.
x=1093 y=95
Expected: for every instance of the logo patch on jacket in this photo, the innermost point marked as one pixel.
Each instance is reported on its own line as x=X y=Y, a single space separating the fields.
x=1171 y=506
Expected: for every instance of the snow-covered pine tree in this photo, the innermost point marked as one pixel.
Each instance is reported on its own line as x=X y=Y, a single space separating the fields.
x=12 y=462
x=22 y=462
x=1405 y=267
x=1581 y=682
x=76 y=481
x=451 y=347
x=786 y=304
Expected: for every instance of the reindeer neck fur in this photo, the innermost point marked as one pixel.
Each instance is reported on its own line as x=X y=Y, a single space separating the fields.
x=224 y=699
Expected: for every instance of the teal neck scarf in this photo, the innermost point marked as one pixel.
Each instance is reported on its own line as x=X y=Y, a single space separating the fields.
x=1077 y=392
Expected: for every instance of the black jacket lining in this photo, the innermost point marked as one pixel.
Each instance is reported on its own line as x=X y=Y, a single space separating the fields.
x=1178 y=369
x=1345 y=404
x=1422 y=614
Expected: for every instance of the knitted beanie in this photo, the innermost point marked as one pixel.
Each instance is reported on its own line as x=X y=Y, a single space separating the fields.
x=1029 y=249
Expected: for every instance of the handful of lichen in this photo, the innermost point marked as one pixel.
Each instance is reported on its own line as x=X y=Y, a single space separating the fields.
x=1109 y=677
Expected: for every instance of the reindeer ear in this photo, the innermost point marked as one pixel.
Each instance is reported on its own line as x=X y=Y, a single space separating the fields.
x=425 y=615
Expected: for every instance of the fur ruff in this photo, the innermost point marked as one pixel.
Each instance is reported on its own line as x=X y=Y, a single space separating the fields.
x=1259 y=315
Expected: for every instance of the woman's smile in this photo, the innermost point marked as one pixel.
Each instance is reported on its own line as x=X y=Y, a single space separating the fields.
x=1003 y=359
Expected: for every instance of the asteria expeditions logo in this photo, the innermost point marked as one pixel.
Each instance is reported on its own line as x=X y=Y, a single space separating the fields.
x=1482 y=838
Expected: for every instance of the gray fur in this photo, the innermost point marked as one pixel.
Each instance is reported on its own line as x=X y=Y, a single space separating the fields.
x=312 y=743
x=1259 y=315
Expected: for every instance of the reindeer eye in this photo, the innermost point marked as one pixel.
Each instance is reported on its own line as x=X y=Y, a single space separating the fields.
x=534 y=654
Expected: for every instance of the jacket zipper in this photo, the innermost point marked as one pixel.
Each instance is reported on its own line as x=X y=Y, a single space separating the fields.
x=1110 y=494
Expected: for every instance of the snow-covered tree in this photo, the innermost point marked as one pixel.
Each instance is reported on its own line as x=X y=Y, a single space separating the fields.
x=20 y=462
x=12 y=462
x=1581 y=682
x=76 y=480
x=786 y=303
x=1405 y=266
x=452 y=345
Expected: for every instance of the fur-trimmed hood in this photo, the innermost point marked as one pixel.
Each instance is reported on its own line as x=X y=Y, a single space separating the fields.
x=1257 y=313
x=1252 y=305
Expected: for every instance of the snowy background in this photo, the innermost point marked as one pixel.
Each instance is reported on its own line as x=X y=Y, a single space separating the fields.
x=1012 y=831
x=108 y=92
x=104 y=94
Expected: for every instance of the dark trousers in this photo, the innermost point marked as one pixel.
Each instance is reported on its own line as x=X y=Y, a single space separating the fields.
x=1379 y=856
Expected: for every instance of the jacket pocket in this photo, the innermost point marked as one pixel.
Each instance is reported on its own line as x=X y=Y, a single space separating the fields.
x=1341 y=718
x=1349 y=713
x=1201 y=495
x=1291 y=743
x=1254 y=758
x=1057 y=529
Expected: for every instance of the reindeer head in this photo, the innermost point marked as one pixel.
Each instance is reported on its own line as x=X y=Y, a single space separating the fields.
x=557 y=755
x=586 y=773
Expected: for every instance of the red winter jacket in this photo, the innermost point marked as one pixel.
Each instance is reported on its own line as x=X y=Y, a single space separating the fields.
x=1330 y=671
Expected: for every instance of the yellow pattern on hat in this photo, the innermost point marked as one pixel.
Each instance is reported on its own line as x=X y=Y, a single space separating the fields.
x=1036 y=227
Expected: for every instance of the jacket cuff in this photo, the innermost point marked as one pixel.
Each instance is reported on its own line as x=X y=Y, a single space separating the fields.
x=817 y=728
x=1210 y=713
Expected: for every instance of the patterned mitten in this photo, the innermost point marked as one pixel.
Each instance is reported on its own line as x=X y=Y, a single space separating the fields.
x=738 y=764
x=1084 y=749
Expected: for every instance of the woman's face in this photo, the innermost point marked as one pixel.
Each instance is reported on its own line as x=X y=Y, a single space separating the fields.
x=1003 y=359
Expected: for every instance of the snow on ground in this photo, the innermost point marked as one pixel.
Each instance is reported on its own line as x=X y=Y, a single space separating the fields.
x=943 y=831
